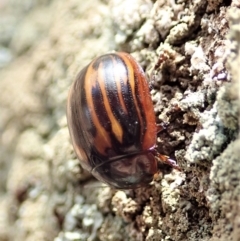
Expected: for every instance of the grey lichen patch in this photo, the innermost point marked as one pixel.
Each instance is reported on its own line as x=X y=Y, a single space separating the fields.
x=153 y=234
x=168 y=58
x=187 y=21
x=144 y=23
x=34 y=27
x=234 y=59
x=12 y=24
x=31 y=106
x=192 y=101
x=124 y=206
x=114 y=229
x=178 y=33
x=223 y=193
x=198 y=58
x=81 y=222
x=170 y=193
x=151 y=208
x=30 y=145
x=209 y=141
x=218 y=49
x=164 y=14
x=147 y=217
x=104 y=197
x=174 y=22
x=161 y=19
x=36 y=218
x=228 y=106
x=127 y=18
x=32 y=178
x=219 y=126
x=146 y=34
x=64 y=165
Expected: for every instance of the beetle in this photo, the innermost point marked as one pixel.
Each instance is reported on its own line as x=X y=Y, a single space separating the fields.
x=112 y=123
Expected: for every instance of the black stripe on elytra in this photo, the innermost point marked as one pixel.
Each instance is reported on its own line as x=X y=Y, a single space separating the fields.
x=89 y=132
x=103 y=117
x=97 y=95
x=99 y=107
x=89 y=129
x=129 y=122
x=83 y=127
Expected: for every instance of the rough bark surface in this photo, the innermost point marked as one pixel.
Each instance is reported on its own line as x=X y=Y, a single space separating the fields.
x=190 y=51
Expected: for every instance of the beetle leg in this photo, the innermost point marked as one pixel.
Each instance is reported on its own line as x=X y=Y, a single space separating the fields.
x=161 y=127
x=170 y=162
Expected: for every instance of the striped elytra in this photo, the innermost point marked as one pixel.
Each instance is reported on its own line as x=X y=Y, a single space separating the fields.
x=112 y=122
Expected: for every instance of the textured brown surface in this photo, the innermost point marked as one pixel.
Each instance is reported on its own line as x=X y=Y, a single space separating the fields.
x=190 y=51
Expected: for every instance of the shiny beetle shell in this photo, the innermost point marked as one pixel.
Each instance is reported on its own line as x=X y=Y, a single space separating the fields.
x=112 y=122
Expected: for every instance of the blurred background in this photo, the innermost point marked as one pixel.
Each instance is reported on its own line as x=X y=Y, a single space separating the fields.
x=45 y=194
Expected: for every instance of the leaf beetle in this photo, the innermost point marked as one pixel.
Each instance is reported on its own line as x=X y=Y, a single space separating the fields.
x=112 y=123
